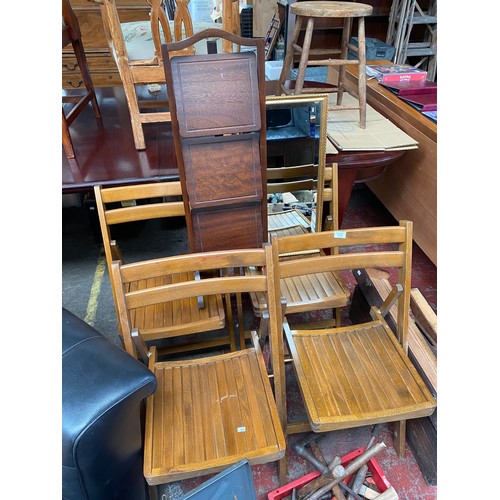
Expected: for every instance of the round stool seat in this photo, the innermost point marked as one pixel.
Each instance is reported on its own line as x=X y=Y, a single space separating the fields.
x=331 y=9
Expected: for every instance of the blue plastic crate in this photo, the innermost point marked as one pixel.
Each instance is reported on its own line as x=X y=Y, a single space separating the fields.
x=375 y=49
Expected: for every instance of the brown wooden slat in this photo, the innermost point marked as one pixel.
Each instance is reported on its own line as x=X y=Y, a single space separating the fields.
x=153 y=190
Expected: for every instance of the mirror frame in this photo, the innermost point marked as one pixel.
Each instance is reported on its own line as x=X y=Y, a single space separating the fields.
x=321 y=99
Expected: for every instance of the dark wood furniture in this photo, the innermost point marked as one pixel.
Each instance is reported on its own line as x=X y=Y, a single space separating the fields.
x=100 y=162
x=217 y=105
x=71 y=35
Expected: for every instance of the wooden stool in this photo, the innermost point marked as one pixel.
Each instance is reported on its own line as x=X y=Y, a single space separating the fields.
x=320 y=9
x=71 y=34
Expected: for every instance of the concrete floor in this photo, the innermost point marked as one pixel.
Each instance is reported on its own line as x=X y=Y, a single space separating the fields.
x=86 y=292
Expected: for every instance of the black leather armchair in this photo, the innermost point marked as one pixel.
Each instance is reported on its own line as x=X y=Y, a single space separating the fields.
x=103 y=388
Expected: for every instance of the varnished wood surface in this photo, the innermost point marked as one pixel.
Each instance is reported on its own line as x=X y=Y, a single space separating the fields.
x=356 y=376
x=105 y=153
x=408 y=188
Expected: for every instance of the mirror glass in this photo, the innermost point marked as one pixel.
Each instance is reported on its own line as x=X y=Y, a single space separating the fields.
x=296 y=155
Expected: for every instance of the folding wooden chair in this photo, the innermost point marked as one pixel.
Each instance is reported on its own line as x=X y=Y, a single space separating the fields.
x=125 y=204
x=213 y=411
x=354 y=375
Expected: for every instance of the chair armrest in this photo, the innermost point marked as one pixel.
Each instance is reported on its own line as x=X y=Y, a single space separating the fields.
x=389 y=301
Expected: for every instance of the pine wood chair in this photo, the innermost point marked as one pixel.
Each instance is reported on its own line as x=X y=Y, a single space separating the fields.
x=71 y=35
x=354 y=375
x=213 y=411
x=136 y=48
x=125 y=204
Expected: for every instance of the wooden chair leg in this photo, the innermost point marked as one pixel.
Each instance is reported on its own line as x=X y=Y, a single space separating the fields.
x=400 y=437
x=153 y=492
x=66 y=139
x=133 y=108
x=87 y=79
x=283 y=468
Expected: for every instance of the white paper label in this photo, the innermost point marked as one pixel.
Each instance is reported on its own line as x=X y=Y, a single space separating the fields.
x=339 y=234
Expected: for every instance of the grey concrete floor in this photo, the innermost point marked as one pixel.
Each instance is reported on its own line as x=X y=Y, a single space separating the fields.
x=86 y=288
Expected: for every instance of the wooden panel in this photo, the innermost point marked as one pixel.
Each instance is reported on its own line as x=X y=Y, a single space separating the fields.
x=408 y=188
x=236 y=227
x=232 y=164
x=230 y=80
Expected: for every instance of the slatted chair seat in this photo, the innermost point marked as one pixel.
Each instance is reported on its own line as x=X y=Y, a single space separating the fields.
x=356 y=376
x=179 y=317
x=229 y=416
x=309 y=292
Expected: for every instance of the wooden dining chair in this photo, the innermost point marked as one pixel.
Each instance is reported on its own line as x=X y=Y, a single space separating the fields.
x=126 y=204
x=213 y=411
x=359 y=374
x=71 y=34
x=135 y=47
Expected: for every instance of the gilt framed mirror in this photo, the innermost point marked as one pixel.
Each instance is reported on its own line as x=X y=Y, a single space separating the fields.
x=296 y=134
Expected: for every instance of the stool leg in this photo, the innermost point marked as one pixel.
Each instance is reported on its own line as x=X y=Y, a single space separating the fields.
x=299 y=84
x=362 y=72
x=288 y=62
x=346 y=35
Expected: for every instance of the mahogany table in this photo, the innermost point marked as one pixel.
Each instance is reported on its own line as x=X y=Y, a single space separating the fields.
x=105 y=153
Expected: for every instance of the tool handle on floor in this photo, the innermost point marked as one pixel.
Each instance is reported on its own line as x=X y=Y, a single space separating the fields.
x=350 y=468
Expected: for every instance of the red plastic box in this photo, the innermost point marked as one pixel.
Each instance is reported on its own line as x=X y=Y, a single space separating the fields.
x=378 y=477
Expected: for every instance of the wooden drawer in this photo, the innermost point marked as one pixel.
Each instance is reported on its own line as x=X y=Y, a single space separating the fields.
x=102 y=68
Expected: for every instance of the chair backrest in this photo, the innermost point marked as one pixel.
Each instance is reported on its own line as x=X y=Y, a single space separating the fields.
x=217 y=106
x=288 y=179
x=159 y=28
x=220 y=273
x=351 y=249
x=118 y=205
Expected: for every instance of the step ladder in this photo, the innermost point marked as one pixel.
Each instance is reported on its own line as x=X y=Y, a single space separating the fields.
x=405 y=15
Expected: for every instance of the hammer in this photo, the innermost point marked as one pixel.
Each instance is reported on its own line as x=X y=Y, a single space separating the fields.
x=333 y=468
x=360 y=476
x=349 y=469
